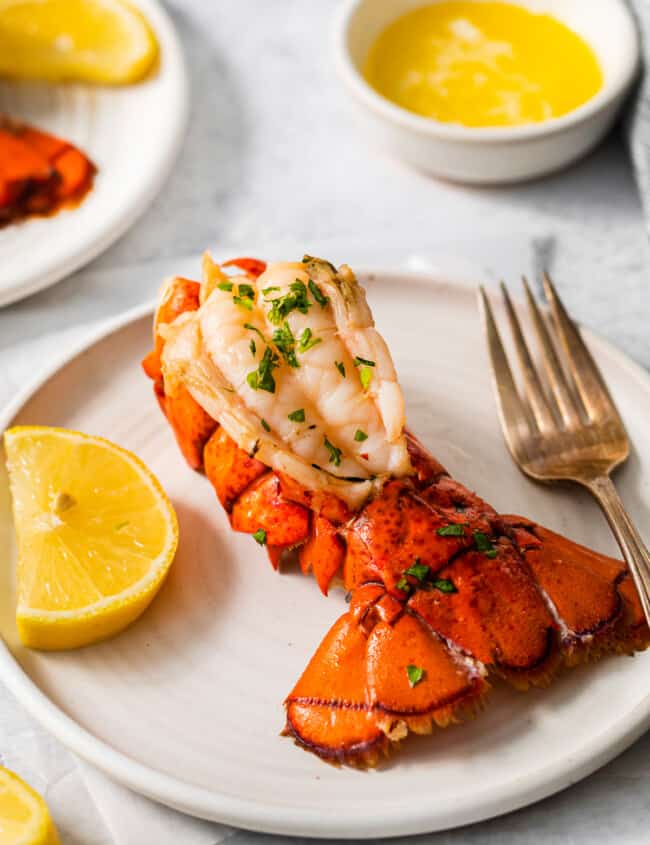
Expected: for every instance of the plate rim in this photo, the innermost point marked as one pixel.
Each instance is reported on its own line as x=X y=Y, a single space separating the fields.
x=105 y=235
x=310 y=822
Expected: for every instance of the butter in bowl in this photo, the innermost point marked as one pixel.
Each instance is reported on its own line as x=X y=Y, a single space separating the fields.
x=486 y=92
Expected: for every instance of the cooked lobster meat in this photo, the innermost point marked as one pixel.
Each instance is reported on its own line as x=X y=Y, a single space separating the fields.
x=39 y=173
x=278 y=386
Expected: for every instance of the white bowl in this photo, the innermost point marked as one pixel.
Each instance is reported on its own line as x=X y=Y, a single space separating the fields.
x=492 y=155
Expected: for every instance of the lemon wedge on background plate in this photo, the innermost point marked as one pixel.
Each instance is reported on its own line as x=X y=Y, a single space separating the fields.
x=96 y=536
x=105 y=41
x=24 y=817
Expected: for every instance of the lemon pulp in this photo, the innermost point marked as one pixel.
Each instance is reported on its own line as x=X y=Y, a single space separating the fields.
x=483 y=64
x=96 y=536
x=105 y=41
x=24 y=817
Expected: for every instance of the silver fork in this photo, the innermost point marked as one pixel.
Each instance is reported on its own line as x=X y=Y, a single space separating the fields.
x=564 y=425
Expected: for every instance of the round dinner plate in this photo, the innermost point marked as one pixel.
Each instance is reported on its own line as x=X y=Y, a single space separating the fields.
x=186 y=705
x=132 y=133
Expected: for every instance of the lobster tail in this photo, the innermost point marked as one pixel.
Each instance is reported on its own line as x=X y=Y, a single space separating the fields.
x=379 y=672
x=447 y=595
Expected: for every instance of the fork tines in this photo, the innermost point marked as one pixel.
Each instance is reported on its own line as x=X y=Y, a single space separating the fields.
x=565 y=392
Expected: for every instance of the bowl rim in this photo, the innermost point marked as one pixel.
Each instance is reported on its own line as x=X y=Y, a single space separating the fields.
x=609 y=93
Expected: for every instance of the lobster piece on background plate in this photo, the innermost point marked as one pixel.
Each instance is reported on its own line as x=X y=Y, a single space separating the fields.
x=39 y=173
x=278 y=387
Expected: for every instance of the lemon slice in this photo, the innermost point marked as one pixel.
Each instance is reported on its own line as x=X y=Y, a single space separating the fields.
x=24 y=817
x=89 y=40
x=96 y=536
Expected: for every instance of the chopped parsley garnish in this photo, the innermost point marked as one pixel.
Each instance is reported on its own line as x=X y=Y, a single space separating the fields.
x=484 y=544
x=252 y=347
x=362 y=362
x=265 y=425
x=417 y=570
x=445 y=585
x=267 y=291
x=360 y=436
x=403 y=584
x=243 y=302
x=414 y=674
x=225 y=286
x=255 y=329
x=296 y=300
x=334 y=453
x=262 y=377
x=306 y=341
x=340 y=367
x=451 y=530
x=260 y=536
x=285 y=343
x=247 y=291
x=318 y=295
x=297 y=415
x=365 y=374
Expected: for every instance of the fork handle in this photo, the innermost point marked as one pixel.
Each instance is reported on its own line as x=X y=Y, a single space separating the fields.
x=632 y=546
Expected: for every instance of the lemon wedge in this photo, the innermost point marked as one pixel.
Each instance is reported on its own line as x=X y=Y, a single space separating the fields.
x=96 y=536
x=24 y=817
x=105 y=41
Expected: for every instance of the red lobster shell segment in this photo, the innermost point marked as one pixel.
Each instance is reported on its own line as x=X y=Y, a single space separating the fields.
x=447 y=595
x=39 y=173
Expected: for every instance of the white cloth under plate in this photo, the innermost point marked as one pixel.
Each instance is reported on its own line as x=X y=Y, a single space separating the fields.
x=38 y=758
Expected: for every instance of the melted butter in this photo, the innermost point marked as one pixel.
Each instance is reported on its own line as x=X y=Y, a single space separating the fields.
x=483 y=64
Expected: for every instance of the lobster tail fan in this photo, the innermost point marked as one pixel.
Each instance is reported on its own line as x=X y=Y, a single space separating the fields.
x=379 y=673
x=327 y=710
x=591 y=595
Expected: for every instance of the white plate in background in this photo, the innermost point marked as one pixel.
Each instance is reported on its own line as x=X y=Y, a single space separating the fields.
x=186 y=706
x=132 y=133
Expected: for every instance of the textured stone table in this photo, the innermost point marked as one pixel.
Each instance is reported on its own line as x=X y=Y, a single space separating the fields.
x=272 y=157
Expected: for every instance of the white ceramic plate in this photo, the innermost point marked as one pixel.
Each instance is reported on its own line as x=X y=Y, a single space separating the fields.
x=186 y=706
x=133 y=135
